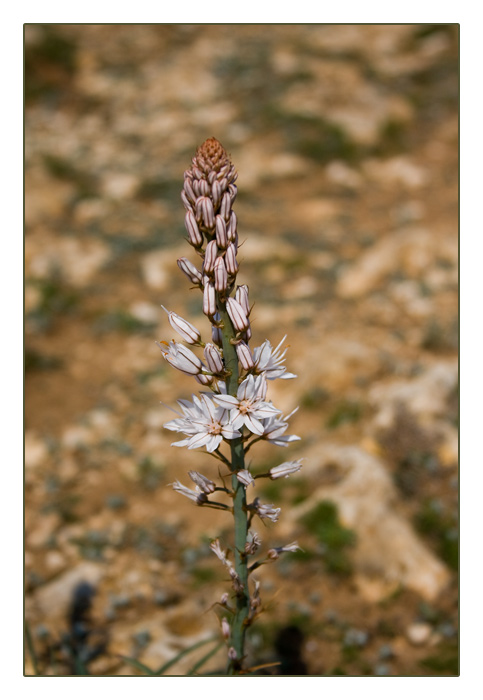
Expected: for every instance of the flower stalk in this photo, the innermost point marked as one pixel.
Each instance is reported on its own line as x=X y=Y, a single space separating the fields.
x=232 y=411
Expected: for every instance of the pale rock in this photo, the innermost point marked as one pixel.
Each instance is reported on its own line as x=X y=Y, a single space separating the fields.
x=144 y=312
x=44 y=528
x=340 y=173
x=411 y=249
x=54 y=597
x=158 y=266
x=399 y=170
x=36 y=451
x=419 y=633
x=55 y=561
x=78 y=259
x=119 y=186
x=425 y=396
x=387 y=547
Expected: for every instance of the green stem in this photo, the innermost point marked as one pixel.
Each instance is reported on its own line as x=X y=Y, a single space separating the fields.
x=239 y=622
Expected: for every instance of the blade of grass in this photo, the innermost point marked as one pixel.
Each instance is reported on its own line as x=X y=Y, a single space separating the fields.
x=205 y=658
x=137 y=664
x=182 y=653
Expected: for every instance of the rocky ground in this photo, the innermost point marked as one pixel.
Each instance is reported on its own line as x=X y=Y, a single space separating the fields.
x=345 y=139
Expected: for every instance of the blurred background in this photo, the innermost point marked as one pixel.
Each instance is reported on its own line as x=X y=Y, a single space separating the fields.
x=345 y=138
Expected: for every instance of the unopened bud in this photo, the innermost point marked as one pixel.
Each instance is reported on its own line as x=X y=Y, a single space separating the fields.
x=230 y=260
x=221 y=276
x=225 y=207
x=237 y=315
x=191 y=272
x=244 y=356
x=186 y=330
x=209 y=300
x=241 y=295
x=211 y=254
x=221 y=233
x=225 y=628
x=213 y=358
x=195 y=237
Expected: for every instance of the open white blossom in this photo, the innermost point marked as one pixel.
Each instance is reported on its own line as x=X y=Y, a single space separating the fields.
x=274 y=428
x=270 y=361
x=204 y=423
x=249 y=407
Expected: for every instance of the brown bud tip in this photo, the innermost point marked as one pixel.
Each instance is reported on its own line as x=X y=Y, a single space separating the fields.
x=211 y=157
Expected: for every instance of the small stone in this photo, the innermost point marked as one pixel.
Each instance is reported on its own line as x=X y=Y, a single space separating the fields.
x=418 y=633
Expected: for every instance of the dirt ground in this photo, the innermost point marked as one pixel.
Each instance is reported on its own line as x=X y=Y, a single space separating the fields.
x=345 y=139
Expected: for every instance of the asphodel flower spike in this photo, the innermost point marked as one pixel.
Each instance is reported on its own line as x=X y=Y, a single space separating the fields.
x=232 y=411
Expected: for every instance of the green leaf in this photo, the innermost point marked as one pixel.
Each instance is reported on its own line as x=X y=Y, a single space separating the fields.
x=182 y=653
x=205 y=658
x=137 y=664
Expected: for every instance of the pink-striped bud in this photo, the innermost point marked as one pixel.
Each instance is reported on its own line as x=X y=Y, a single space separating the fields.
x=244 y=356
x=231 y=228
x=216 y=335
x=221 y=234
x=205 y=212
x=186 y=201
x=211 y=254
x=233 y=190
x=284 y=470
x=216 y=192
x=213 y=358
x=189 y=190
x=204 y=379
x=209 y=300
x=230 y=260
x=232 y=655
x=225 y=207
x=186 y=330
x=205 y=189
x=191 y=272
x=237 y=315
x=241 y=295
x=221 y=276
x=195 y=237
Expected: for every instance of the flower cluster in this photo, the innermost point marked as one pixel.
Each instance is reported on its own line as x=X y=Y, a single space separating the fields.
x=232 y=410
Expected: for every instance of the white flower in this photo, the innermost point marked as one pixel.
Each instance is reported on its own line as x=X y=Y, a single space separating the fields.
x=285 y=469
x=216 y=549
x=244 y=477
x=204 y=423
x=270 y=361
x=180 y=357
x=206 y=485
x=197 y=496
x=276 y=551
x=273 y=429
x=265 y=510
x=248 y=407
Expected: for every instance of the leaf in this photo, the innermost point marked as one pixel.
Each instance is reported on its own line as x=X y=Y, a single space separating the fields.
x=205 y=658
x=182 y=653
x=137 y=664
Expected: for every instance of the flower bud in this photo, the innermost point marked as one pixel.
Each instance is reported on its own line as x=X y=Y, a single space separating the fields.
x=237 y=315
x=225 y=207
x=221 y=276
x=221 y=234
x=241 y=295
x=225 y=628
x=205 y=212
x=195 y=237
x=213 y=358
x=211 y=254
x=186 y=330
x=191 y=272
x=244 y=356
x=189 y=190
x=230 y=260
x=216 y=192
x=209 y=300
x=231 y=228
